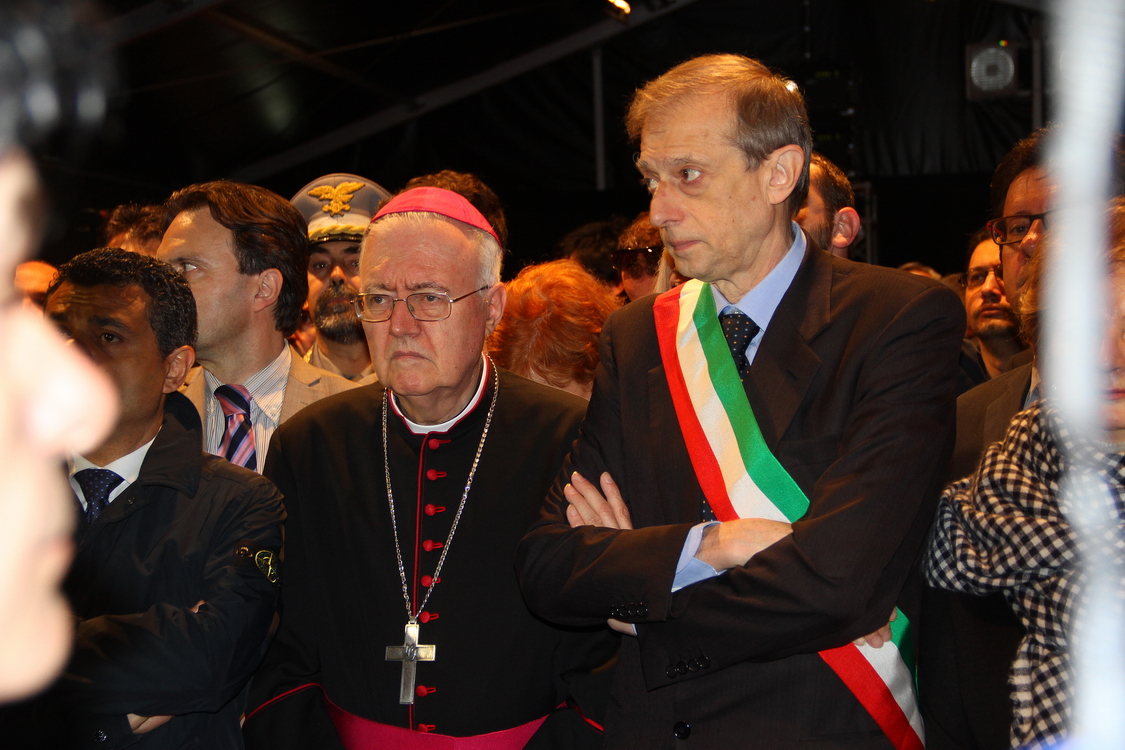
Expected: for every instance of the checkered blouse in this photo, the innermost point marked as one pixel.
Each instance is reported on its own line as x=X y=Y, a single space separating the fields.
x=1005 y=528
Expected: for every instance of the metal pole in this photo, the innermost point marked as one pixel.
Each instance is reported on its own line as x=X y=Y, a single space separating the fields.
x=1090 y=56
x=599 y=120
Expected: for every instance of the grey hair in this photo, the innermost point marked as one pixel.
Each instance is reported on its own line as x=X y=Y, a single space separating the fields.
x=489 y=252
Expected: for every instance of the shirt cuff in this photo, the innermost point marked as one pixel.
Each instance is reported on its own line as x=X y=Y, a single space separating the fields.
x=690 y=569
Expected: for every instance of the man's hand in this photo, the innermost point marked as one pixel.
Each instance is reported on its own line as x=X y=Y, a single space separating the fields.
x=142 y=724
x=588 y=507
x=880 y=636
x=732 y=543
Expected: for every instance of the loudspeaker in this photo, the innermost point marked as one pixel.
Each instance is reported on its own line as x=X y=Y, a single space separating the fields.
x=993 y=70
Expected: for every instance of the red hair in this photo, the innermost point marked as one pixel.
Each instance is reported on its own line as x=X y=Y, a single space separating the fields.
x=551 y=324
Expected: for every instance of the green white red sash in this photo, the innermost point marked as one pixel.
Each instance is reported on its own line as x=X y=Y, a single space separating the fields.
x=741 y=478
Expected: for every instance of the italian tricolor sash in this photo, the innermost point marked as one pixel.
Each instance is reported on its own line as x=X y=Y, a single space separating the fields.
x=741 y=478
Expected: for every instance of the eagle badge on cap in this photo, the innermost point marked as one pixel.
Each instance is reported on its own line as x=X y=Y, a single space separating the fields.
x=337 y=197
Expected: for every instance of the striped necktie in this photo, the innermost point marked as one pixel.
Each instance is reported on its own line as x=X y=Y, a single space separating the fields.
x=96 y=485
x=238 y=441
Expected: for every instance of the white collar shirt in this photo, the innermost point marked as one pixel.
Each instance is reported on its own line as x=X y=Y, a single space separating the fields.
x=267 y=395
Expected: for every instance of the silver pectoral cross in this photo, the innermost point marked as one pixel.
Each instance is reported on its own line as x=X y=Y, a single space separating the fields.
x=409 y=653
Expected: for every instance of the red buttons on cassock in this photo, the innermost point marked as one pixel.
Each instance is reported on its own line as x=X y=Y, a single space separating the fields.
x=427 y=616
x=434 y=443
x=422 y=691
x=427 y=581
x=430 y=545
x=432 y=509
x=434 y=474
x=426 y=727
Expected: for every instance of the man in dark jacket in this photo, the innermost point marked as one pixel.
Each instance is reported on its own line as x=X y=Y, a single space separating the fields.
x=174 y=580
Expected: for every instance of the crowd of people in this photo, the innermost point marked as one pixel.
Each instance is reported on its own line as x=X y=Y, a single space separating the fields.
x=702 y=481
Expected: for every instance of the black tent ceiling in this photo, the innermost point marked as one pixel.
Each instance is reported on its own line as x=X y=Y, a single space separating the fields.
x=278 y=92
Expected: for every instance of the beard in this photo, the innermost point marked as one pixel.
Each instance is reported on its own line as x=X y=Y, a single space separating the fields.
x=821 y=234
x=334 y=314
x=995 y=329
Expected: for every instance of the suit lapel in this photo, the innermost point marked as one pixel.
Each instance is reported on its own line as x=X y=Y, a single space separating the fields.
x=999 y=413
x=679 y=496
x=300 y=387
x=785 y=364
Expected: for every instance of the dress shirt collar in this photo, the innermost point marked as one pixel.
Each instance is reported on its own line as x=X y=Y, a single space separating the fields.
x=267 y=386
x=761 y=302
x=128 y=467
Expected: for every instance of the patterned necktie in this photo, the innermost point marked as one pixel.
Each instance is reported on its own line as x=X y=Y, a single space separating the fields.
x=96 y=485
x=740 y=331
x=238 y=441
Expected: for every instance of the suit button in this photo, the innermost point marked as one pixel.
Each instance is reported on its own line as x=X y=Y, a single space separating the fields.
x=681 y=668
x=704 y=662
x=693 y=665
x=634 y=610
x=681 y=730
x=100 y=736
x=615 y=613
x=642 y=611
x=671 y=672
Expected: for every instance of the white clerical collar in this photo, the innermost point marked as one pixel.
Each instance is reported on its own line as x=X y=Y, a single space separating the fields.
x=446 y=426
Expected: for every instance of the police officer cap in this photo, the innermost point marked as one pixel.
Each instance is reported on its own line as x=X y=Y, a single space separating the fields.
x=338 y=206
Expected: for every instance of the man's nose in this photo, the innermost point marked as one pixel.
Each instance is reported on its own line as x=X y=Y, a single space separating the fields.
x=1030 y=240
x=664 y=207
x=1113 y=346
x=402 y=323
x=993 y=287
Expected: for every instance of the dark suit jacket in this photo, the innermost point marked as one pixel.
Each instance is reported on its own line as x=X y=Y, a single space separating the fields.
x=187 y=530
x=853 y=386
x=983 y=415
x=966 y=643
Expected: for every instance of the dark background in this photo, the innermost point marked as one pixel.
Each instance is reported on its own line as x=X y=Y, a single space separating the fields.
x=211 y=89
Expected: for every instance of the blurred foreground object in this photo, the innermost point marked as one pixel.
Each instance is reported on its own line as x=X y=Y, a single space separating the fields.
x=52 y=400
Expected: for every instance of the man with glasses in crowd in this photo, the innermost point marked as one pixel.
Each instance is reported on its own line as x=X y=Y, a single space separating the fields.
x=993 y=333
x=402 y=613
x=637 y=256
x=966 y=643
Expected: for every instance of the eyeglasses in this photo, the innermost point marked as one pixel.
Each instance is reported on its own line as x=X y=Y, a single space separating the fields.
x=1009 y=229
x=975 y=277
x=634 y=258
x=427 y=307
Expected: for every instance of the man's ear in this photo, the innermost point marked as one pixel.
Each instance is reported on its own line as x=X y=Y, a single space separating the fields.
x=845 y=227
x=785 y=166
x=497 y=298
x=176 y=367
x=268 y=289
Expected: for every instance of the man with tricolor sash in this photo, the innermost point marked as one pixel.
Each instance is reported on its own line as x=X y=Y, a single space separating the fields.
x=766 y=444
